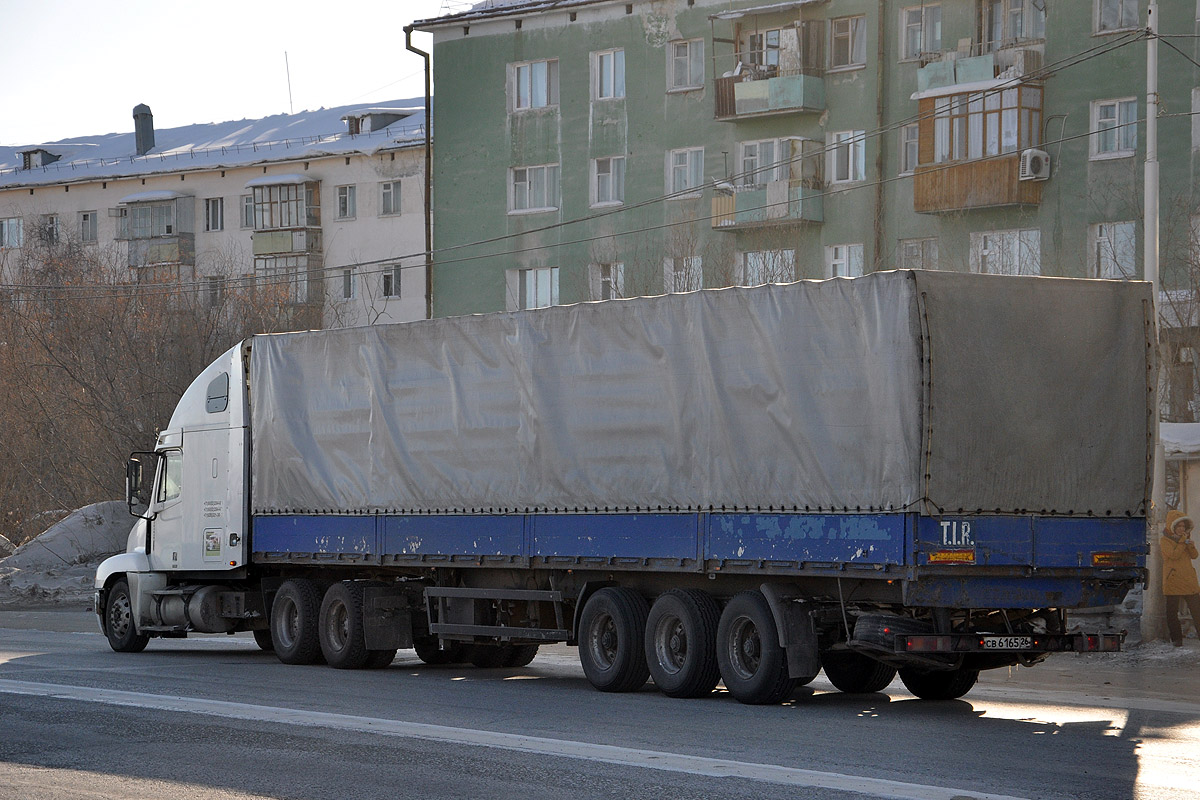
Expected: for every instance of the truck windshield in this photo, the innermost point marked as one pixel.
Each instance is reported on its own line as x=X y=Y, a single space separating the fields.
x=172 y=476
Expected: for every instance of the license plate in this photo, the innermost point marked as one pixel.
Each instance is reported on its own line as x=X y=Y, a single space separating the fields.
x=1007 y=642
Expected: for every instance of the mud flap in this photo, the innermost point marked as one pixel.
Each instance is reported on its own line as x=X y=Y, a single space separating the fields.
x=387 y=618
x=797 y=633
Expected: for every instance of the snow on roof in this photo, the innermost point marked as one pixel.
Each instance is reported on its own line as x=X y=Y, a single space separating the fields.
x=155 y=196
x=500 y=8
x=218 y=145
x=293 y=178
x=766 y=9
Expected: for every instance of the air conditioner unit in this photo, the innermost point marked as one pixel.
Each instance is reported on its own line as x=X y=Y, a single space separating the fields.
x=1035 y=165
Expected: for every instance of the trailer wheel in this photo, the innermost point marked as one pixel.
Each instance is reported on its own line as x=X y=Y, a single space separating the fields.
x=119 y=624
x=294 y=615
x=378 y=659
x=486 y=656
x=519 y=655
x=341 y=627
x=429 y=651
x=262 y=638
x=753 y=665
x=681 y=643
x=939 y=685
x=855 y=673
x=612 y=629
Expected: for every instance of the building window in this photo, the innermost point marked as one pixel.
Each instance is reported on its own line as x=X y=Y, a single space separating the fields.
x=848 y=42
x=1006 y=22
x=1116 y=15
x=608 y=69
x=349 y=283
x=285 y=206
x=1007 y=252
x=909 y=148
x=287 y=275
x=920 y=31
x=685 y=170
x=214 y=286
x=767 y=266
x=847 y=156
x=247 y=211
x=389 y=202
x=607 y=281
x=147 y=221
x=87 y=227
x=47 y=230
x=981 y=124
x=391 y=281
x=844 y=260
x=608 y=181
x=346 y=202
x=764 y=162
x=214 y=214
x=539 y=287
x=1113 y=248
x=1114 y=128
x=763 y=48
x=11 y=234
x=919 y=253
x=687 y=64
x=535 y=85
x=683 y=274
x=534 y=188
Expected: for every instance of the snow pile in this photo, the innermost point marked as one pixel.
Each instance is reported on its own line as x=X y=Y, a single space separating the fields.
x=60 y=564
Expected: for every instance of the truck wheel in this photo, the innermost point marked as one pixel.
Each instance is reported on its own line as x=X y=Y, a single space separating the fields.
x=294 y=615
x=427 y=650
x=753 y=665
x=939 y=685
x=681 y=643
x=262 y=638
x=119 y=624
x=341 y=626
x=855 y=673
x=378 y=659
x=519 y=655
x=612 y=630
x=487 y=656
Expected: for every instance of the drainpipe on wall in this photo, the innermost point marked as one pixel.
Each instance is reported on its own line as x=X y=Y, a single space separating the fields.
x=408 y=45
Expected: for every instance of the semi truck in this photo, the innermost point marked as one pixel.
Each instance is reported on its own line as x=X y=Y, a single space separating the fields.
x=914 y=472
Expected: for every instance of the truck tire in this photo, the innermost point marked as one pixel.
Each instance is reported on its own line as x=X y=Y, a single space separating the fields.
x=486 y=656
x=341 y=626
x=262 y=638
x=379 y=659
x=519 y=655
x=681 y=643
x=119 y=624
x=854 y=673
x=612 y=631
x=429 y=651
x=753 y=665
x=939 y=685
x=294 y=615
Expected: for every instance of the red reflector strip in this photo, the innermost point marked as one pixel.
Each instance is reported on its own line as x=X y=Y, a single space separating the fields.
x=1114 y=560
x=928 y=644
x=952 y=556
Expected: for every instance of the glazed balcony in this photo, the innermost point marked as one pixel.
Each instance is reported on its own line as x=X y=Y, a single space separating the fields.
x=768 y=91
x=986 y=183
x=776 y=203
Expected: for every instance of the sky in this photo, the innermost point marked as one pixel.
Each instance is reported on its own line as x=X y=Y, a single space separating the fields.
x=77 y=68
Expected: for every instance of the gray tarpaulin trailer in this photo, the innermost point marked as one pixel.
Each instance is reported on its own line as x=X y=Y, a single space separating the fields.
x=913 y=470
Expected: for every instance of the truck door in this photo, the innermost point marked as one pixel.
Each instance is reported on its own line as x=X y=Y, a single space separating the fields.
x=166 y=530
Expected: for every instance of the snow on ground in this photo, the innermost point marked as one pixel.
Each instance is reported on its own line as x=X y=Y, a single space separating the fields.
x=60 y=564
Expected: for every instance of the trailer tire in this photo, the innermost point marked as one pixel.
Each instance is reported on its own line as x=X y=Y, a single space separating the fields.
x=294 y=616
x=486 y=656
x=939 y=685
x=681 y=643
x=612 y=631
x=341 y=629
x=519 y=655
x=854 y=673
x=429 y=651
x=119 y=624
x=262 y=638
x=379 y=659
x=753 y=665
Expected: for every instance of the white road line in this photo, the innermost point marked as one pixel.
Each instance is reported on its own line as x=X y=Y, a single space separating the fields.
x=584 y=751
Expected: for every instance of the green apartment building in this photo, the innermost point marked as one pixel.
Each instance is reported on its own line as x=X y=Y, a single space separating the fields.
x=591 y=149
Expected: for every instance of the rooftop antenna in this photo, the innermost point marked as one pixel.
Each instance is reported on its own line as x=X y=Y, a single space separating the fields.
x=288 y=69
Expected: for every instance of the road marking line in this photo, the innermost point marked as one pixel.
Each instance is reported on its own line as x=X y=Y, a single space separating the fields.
x=583 y=751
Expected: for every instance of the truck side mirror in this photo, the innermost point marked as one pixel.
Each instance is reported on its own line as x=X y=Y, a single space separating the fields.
x=137 y=492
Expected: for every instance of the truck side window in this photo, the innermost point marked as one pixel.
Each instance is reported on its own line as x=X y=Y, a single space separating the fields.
x=169 y=488
x=217 y=398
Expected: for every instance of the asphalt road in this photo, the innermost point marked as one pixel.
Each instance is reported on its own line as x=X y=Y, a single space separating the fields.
x=216 y=718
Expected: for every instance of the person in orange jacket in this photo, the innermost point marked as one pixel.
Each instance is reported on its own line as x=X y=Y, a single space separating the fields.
x=1179 y=576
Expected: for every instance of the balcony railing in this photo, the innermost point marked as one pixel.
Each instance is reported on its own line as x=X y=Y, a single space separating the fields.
x=768 y=90
x=973 y=184
x=776 y=203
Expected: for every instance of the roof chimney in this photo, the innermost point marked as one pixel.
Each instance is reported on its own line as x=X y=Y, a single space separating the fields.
x=143 y=128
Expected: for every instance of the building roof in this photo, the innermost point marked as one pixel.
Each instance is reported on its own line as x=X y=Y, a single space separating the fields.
x=503 y=8
x=217 y=145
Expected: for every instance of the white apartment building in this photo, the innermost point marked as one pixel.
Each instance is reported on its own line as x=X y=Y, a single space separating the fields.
x=328 y=203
